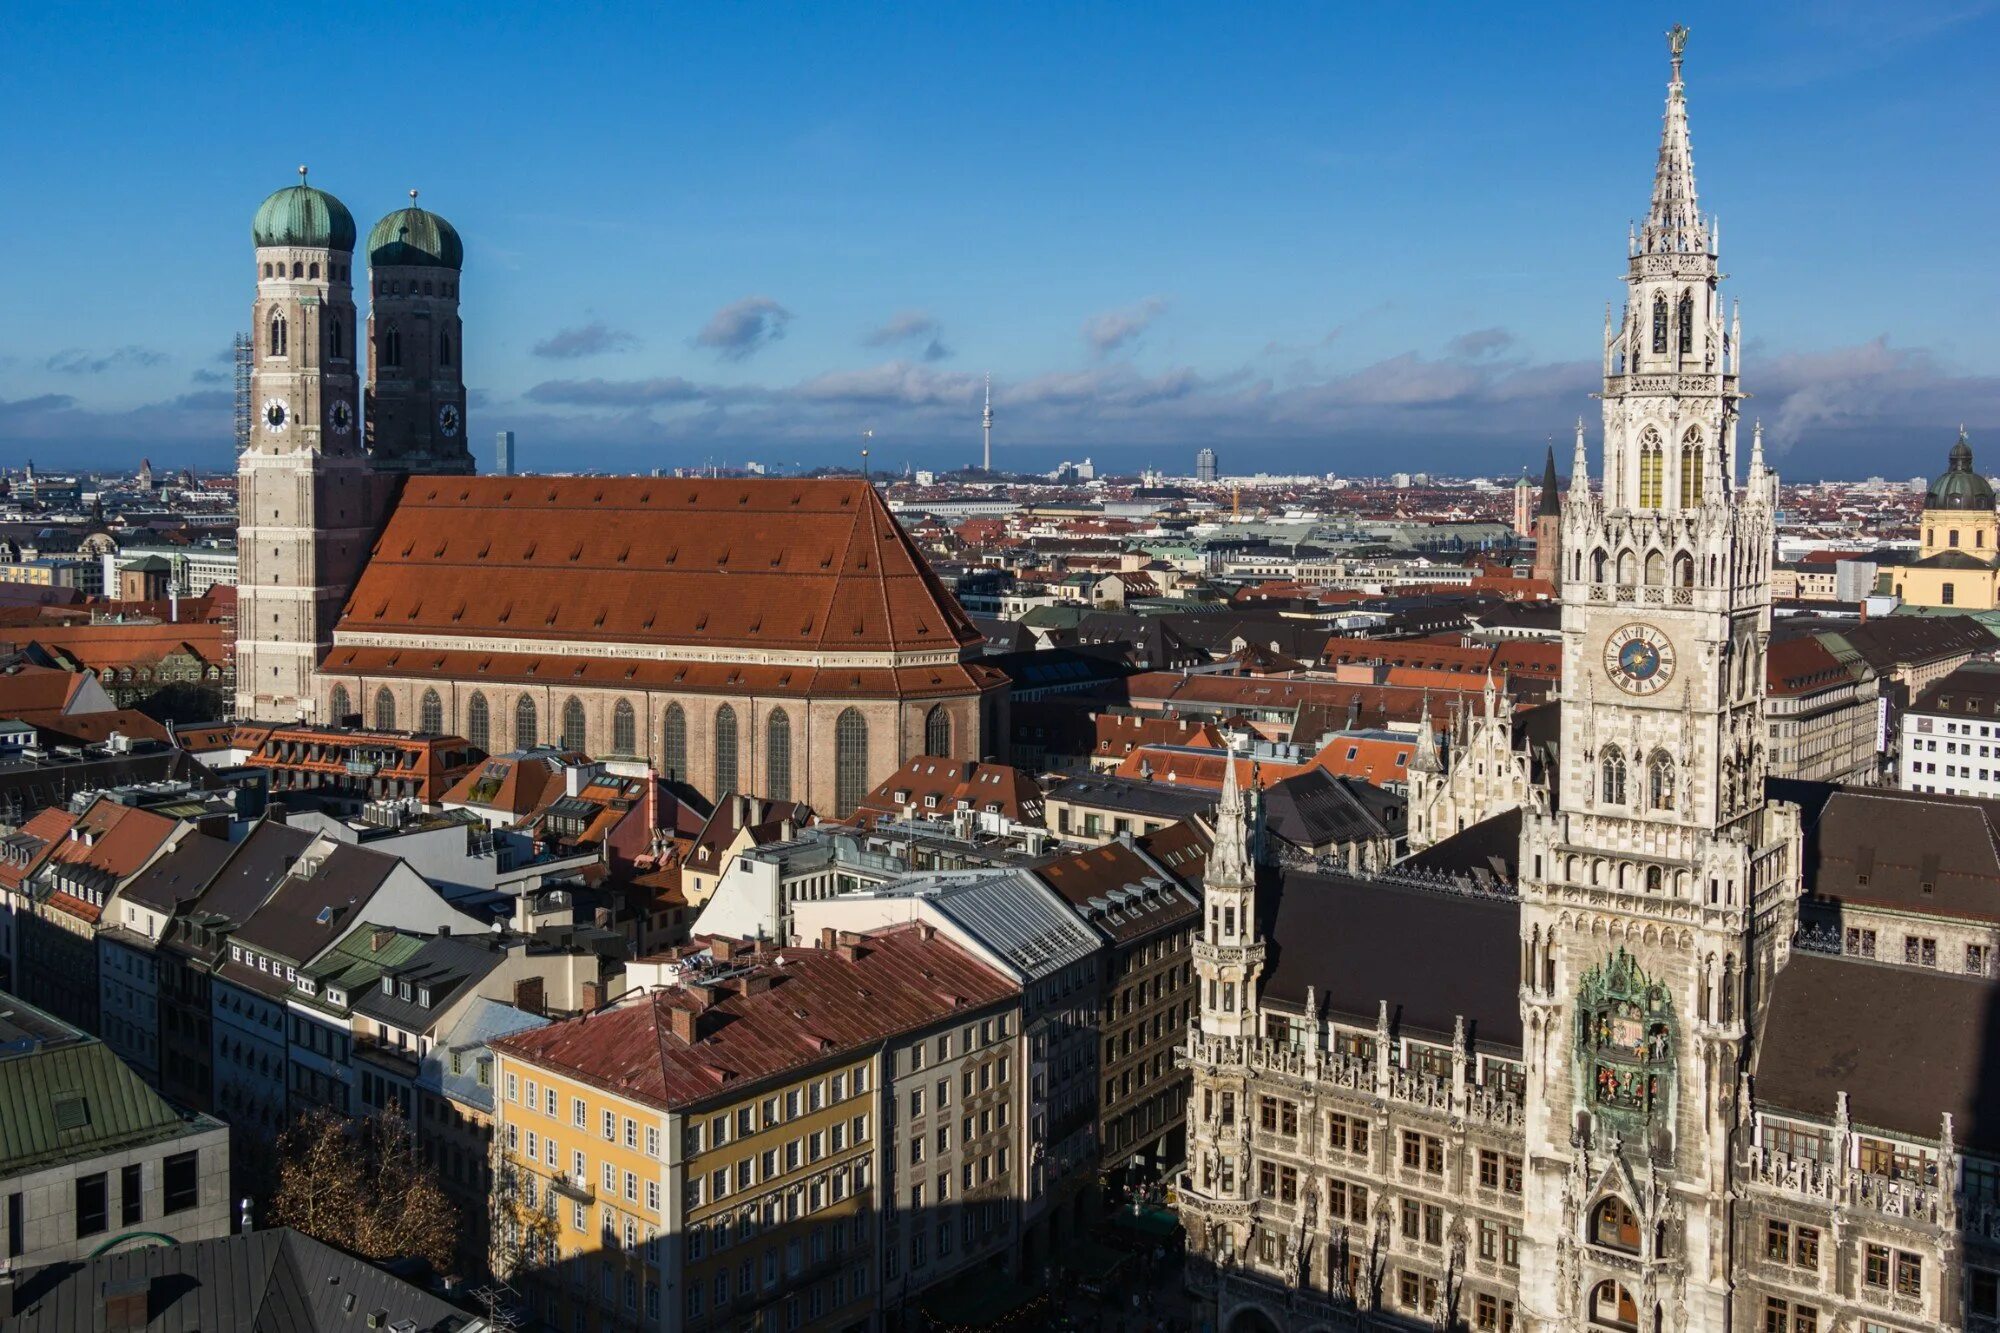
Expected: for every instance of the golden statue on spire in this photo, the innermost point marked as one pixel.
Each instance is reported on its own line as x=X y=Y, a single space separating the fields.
x=1677 y=40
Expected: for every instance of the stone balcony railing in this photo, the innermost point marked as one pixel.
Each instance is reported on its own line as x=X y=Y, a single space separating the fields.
x=1259 y=1055
x=1908 y=1200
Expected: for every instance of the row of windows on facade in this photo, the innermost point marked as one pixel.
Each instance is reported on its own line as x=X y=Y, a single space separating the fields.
x=1652 y=468
x=850 y=738
x=278 y=341
x=339 y=273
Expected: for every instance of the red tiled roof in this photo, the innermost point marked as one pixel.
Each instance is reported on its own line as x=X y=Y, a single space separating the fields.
x=815 y=1005
x=90 y=728
x=106 y=647
x=48 y=829
x=26 y=690
x=760 y=564
x=1000 y=788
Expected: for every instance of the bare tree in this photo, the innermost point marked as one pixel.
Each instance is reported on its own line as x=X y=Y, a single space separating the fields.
x=366 y=1191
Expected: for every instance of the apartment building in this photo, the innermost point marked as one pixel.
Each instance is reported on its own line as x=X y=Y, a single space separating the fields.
x=711 y=1153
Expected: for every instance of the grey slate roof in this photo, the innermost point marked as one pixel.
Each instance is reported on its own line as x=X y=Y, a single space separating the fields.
x=308 y=914
x=1314 y=808
x=277 y=1281
x=444 y=967
x=1434 y=956
x=180 y=875
x=1906 y=1044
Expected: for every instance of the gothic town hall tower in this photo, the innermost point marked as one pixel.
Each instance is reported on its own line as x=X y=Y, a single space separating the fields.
x=1654 y=896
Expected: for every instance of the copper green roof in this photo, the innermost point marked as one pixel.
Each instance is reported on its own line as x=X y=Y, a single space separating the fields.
x=417 y=237
x=63 y=1102
x=304 y=216
x=1960 y=487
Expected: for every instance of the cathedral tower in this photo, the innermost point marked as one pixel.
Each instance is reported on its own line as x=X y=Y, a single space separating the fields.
x=1655 y=895
x=416 y=386
x=1546 y=526
x=304 y=498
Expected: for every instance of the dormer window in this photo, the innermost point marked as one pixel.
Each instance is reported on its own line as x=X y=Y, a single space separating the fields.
x=424 y=996
x=389 y=986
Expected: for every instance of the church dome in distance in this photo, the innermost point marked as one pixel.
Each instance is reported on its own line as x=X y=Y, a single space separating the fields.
x=417 y=238
x=1960 y=487
x=304 y=216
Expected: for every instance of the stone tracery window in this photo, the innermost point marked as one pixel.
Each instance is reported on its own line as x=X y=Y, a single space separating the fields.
x=1612 y=769
x=850 y=761
x=279 y=341
x=527 y=730
x=674 y=744
x=1660 y=781
x=937 y=731
x=624 y=729
x=1660 y=325
x=430 y=714
x=727 y=751
x=1691 y=468
x=573 y=737
x=778 y=755
x=385 y=710
x=479 y=723
x=1652 y=466
x=338 y=705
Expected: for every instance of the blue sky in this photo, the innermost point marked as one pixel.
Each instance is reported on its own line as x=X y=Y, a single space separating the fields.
x=1315 y=237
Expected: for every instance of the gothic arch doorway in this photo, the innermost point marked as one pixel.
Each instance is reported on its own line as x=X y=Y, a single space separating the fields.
x=1251 y=1320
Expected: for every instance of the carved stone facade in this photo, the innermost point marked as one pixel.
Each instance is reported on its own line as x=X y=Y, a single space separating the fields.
x=1483 y=769
x=1614 y=1096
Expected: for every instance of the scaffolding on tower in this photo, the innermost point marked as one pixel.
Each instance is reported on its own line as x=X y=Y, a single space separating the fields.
x=242 y=350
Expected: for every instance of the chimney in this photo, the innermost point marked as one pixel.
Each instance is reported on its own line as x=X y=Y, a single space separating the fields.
x=756 y=808
x=380 y=938
x=575 y=778
x=787 y=830
x=742 y=810
x=722 y=950
x=827 y=936
x=683 y=1023
x=528 y=995
x=593 y=996
x=125 y=1304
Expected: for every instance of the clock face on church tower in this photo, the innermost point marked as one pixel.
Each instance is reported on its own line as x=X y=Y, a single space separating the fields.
x=1639 y=659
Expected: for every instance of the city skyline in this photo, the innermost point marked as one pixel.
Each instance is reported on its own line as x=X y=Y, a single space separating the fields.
x=1385 y=265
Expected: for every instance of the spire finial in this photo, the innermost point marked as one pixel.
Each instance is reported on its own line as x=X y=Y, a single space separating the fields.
x=302 y=173
x=413 y=196
x=1677 y=40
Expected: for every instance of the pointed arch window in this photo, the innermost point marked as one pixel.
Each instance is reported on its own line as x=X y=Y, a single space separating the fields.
x=1612 y=771
x=674 y=744
x=385 y=710
x=279 y=341
x=392 y=346
x=1660 y=325
x=850 y=761
x=937 y=732
x=338 y=339
x=726 y=748
x=444 y=347
x=624 y=729
x=1691 y=468
x=1686 y=322
x=479 y=723
x=1660 y=781
x=572 y=724
x=1652 y=466
x=778 y=755
x=527 y=729
x=430 y=714
x=1614 y=1226
x=338 y=706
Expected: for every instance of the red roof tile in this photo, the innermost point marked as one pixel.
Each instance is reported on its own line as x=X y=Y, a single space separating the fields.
x=753 y=564
x=808 y=1008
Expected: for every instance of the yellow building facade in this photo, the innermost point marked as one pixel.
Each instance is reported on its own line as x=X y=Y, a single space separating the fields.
x=1960 y=536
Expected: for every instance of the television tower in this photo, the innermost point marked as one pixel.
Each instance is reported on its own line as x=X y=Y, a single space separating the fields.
x=987 y=422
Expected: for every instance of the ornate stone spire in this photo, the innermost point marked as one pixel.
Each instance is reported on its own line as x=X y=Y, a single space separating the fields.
x=1579 y=472
x=1229 y=860
x=1426 y=758
x=1675 y=222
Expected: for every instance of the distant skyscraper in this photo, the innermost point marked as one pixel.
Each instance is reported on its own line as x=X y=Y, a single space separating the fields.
x=503 y=454
x=1204 y=466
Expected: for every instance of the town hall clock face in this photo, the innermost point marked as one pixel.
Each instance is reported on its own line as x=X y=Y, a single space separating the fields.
x=1639 y=659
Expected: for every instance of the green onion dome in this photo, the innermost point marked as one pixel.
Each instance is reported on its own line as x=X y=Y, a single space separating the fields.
x=417 y=238
x=304 y=216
